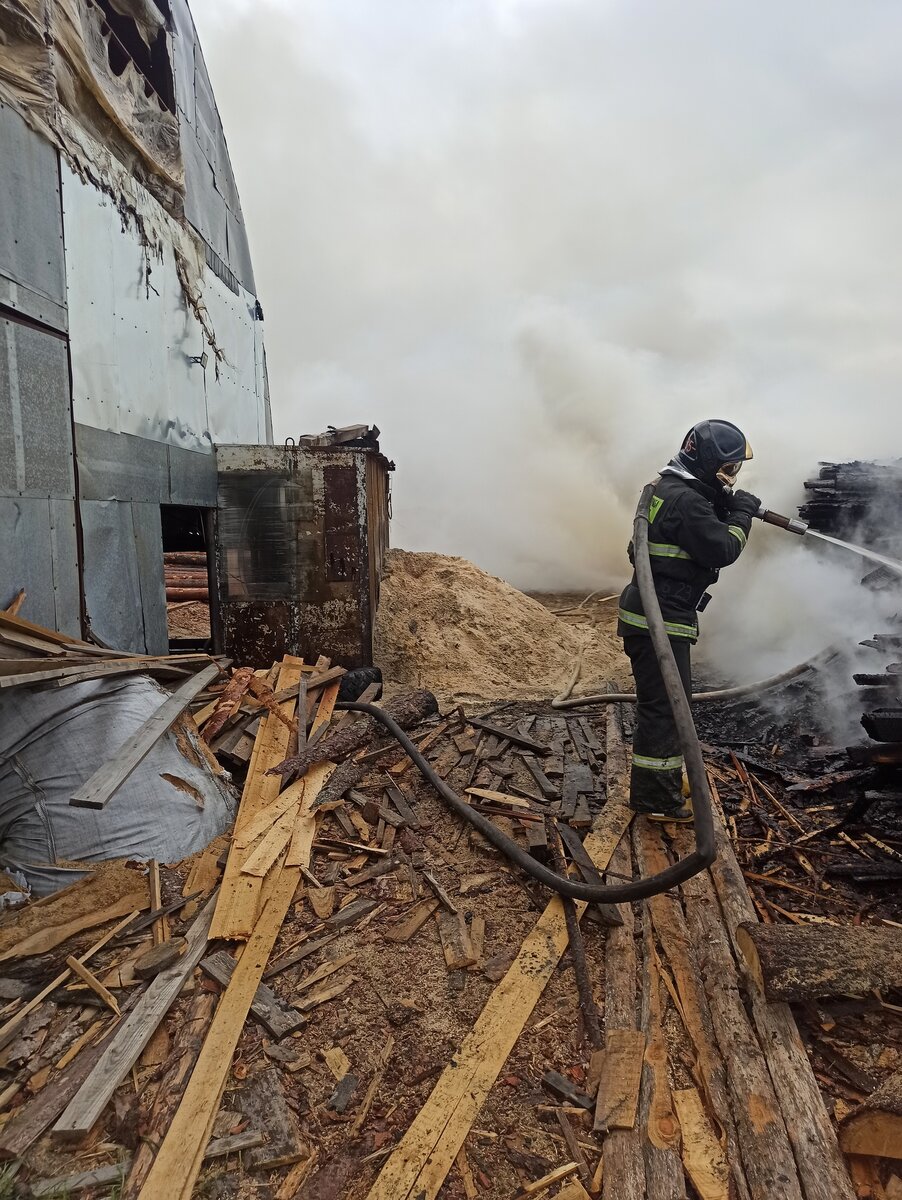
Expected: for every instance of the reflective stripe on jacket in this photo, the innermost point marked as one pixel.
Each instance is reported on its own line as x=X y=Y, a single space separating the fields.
x=691 y=535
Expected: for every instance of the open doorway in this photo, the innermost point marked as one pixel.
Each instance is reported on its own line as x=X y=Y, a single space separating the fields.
x=187 y=564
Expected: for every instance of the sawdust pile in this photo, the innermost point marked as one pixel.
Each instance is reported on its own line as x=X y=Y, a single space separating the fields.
x=446 y=625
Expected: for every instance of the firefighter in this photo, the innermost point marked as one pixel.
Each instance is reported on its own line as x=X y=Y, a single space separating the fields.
x=697 y=524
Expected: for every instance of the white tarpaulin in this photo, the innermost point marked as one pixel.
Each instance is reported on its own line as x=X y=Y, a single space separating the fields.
x=53 y=739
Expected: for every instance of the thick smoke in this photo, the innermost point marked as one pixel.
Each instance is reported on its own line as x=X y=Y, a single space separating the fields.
x=535 y=241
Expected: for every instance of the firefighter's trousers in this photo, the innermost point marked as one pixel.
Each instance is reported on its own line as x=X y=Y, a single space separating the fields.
x=657 y=769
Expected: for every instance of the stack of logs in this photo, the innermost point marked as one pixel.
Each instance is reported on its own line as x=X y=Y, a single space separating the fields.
x=186 y=576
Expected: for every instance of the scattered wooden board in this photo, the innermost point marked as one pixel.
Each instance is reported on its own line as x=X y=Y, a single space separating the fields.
x=413 y=922
x=177 y=1164
x=241 y=896
x=48 y=939
x=703 y=1155
x=97 y=791
x=276 y=1017
x=621 y=1074
x=132 y=1035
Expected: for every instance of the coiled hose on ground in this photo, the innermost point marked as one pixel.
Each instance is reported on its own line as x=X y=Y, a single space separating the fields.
x=638 y=889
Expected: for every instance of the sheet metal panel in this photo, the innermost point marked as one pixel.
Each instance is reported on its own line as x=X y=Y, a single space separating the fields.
x=32 y=269
x=111 y=574
x=37 y=549
x=235 y=407
x=35 y=428
x=151 y=578
x=211 y=197
x=64 y=563
x=192 y=477
x=133 y=337
x=119 y=466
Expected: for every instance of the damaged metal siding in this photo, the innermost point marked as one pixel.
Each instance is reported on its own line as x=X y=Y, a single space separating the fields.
x=121 y=230
x=294 y=551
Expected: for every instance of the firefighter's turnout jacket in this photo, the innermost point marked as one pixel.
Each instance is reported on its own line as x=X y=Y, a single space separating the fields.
x=691 y=535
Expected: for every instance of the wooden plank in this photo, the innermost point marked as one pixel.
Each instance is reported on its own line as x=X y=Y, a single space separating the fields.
x=455 y=937
x=43 y=940
x=509 y=735
x=62 y=676
x=421 y=1161
x=276 y=1017
x=265 y=820
x=541 y=780
x=272 y=845
x=413 y=922
x=133 y=1034
x=160 y=927
x=703 y=1154
x=97 y=791
x=240 y=895
x=301 y=845
x=177 y=1164
x=621 y=1074
x=11 y=1027
x=500 y=797
x=818 y=1157
x=87 y=977
x=292 y=957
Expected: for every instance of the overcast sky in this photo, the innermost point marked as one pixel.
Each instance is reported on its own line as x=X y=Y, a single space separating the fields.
x=534 y=240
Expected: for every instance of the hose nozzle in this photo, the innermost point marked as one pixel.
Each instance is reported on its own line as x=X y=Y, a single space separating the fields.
x=793 y=524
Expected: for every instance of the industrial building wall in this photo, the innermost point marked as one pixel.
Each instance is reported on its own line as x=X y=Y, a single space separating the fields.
x=131 y=341
x=37 y=485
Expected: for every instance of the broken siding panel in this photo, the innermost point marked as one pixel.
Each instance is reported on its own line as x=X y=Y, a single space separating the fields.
x=32 y=271
x=211 y=197
x=133 y=335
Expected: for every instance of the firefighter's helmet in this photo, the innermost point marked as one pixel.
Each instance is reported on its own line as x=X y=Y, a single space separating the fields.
x=714 y=451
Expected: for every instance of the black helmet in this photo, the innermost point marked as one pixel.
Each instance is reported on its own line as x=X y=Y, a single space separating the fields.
x=713 y=451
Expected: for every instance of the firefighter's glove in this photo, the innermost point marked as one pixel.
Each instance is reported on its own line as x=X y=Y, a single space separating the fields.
x=744 y=502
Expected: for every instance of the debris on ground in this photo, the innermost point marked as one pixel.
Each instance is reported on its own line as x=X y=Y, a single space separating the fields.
x=353 y=995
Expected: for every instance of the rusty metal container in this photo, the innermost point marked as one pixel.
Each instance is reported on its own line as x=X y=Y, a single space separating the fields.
x=301 y=535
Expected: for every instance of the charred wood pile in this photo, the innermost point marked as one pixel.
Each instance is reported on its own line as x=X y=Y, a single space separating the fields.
x=858 y=500
x=352 y=994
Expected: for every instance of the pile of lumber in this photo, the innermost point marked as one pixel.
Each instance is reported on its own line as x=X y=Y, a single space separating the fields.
x=353 y=994
x=859 y=500
x=32 y=654
x=187 y=576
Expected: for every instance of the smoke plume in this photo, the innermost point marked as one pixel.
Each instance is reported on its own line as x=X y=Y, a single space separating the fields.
x=534 y=241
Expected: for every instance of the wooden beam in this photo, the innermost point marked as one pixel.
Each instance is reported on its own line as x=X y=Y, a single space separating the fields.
x=821 y=1166
x=133 y=1034
x=97 y=791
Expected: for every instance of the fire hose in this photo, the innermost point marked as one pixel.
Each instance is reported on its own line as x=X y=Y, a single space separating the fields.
x=639 y=889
